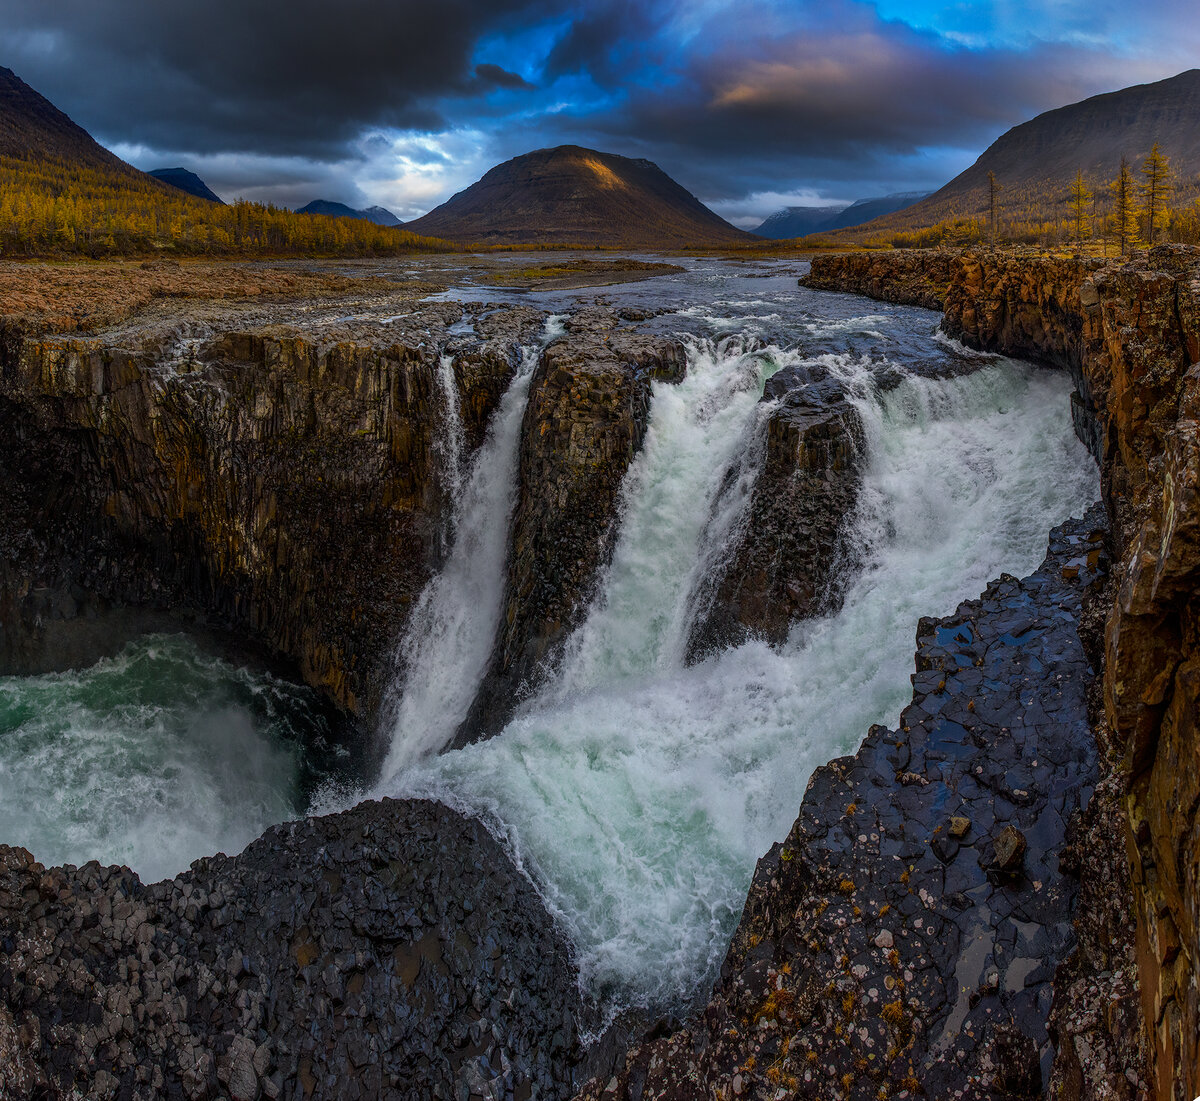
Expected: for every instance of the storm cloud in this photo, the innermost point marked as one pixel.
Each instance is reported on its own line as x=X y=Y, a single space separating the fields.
x=743 y=101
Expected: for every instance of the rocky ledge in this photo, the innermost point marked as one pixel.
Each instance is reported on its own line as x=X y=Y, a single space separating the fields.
x=1129 y=331
x=788 y=559
x=389 y=951
x=587 y=415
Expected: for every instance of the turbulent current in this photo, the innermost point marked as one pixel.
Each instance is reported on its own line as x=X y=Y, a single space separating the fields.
x=636 y=791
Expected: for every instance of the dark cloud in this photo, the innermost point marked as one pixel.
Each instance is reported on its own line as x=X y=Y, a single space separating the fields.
x=406 y=102
x=501 y=78
x=254 y=75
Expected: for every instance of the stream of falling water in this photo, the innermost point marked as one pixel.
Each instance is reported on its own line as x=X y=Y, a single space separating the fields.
x=637 y=791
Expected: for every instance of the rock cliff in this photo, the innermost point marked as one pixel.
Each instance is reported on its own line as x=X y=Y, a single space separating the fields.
x=1130 y=333
x=786 y=560
x=904 y=937
x=231 y=467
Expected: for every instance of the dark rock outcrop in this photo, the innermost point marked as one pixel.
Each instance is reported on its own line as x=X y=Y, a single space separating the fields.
x=588 y=410
x=785 y=563
x=905 y=935
x=392 y=950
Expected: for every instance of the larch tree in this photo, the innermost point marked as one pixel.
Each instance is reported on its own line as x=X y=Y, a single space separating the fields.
x=1124 y=217
x=1155 y=189
x=994 y=190
x=1081 y=196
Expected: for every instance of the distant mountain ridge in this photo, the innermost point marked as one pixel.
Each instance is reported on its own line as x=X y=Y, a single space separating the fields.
x=187 y=182
x=800 y=221
x=1036 y=161
x=573 y=195
x=381 y=216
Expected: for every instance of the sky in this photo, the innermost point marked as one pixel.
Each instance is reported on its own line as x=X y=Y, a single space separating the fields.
x=752 y=105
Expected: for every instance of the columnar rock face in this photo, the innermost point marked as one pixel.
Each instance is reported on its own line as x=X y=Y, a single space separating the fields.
x=911 y=278
x=389 y=951
x=905 y=935
x=589 y=406
x=786 y=560
x=1131 y=333
x=289 y=487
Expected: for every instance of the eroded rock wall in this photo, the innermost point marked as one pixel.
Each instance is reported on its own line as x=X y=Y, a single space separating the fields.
x=908 y=277
x=787 y=557
x=1130 y=332
x=290 y=488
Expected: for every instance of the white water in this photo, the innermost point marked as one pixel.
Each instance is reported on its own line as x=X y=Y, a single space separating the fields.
x=449 y=636
x=639 y=792
x=152 y=758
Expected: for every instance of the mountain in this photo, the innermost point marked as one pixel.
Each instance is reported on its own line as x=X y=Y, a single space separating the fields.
x=800 y=221
x=572 y=195
x=1036 y=162
x=33 y=129
x=377 y=214
x=65 y=195
x=381 y=216
x=796 y=221
x=864 y=210
x=186 y=181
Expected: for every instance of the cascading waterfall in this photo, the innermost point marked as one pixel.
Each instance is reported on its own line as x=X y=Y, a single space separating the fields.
x=639 y=792
x=449 y=636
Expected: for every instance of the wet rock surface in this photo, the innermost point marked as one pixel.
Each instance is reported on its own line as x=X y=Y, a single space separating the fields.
x=896 y=942
x=588 y=410
x=789 y=561
x=1129 y=330
x=389 y=951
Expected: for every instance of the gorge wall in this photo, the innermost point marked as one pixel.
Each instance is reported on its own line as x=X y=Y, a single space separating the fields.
x=249 y=476
x=1130 y=333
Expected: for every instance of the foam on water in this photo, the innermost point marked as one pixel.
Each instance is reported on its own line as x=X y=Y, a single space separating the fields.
x=152 y=758
x=639 y=792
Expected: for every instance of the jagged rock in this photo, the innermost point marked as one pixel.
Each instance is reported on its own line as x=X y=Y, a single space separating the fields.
x=789 y=558
x=392 y=950
x=1129 y=330
x=588 y=410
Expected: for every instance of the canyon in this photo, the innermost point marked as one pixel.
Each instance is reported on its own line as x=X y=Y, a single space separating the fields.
x=947 y=913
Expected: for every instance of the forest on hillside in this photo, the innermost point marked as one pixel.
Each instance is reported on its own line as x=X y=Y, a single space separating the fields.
x=1104 y=216
x=52 y=207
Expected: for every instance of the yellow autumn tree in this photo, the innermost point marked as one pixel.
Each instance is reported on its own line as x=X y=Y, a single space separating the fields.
x=1124 y=217
x=1081 y=198
x=1155 y=188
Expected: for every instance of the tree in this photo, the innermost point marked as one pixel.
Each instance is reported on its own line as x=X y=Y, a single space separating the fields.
x=1080 y=197
x=994 y=190
x=1157 y=186
x=1125 y=209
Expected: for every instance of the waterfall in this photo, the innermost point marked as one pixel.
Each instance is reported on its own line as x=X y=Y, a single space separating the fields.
x=639 y=792
x=450 y=632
